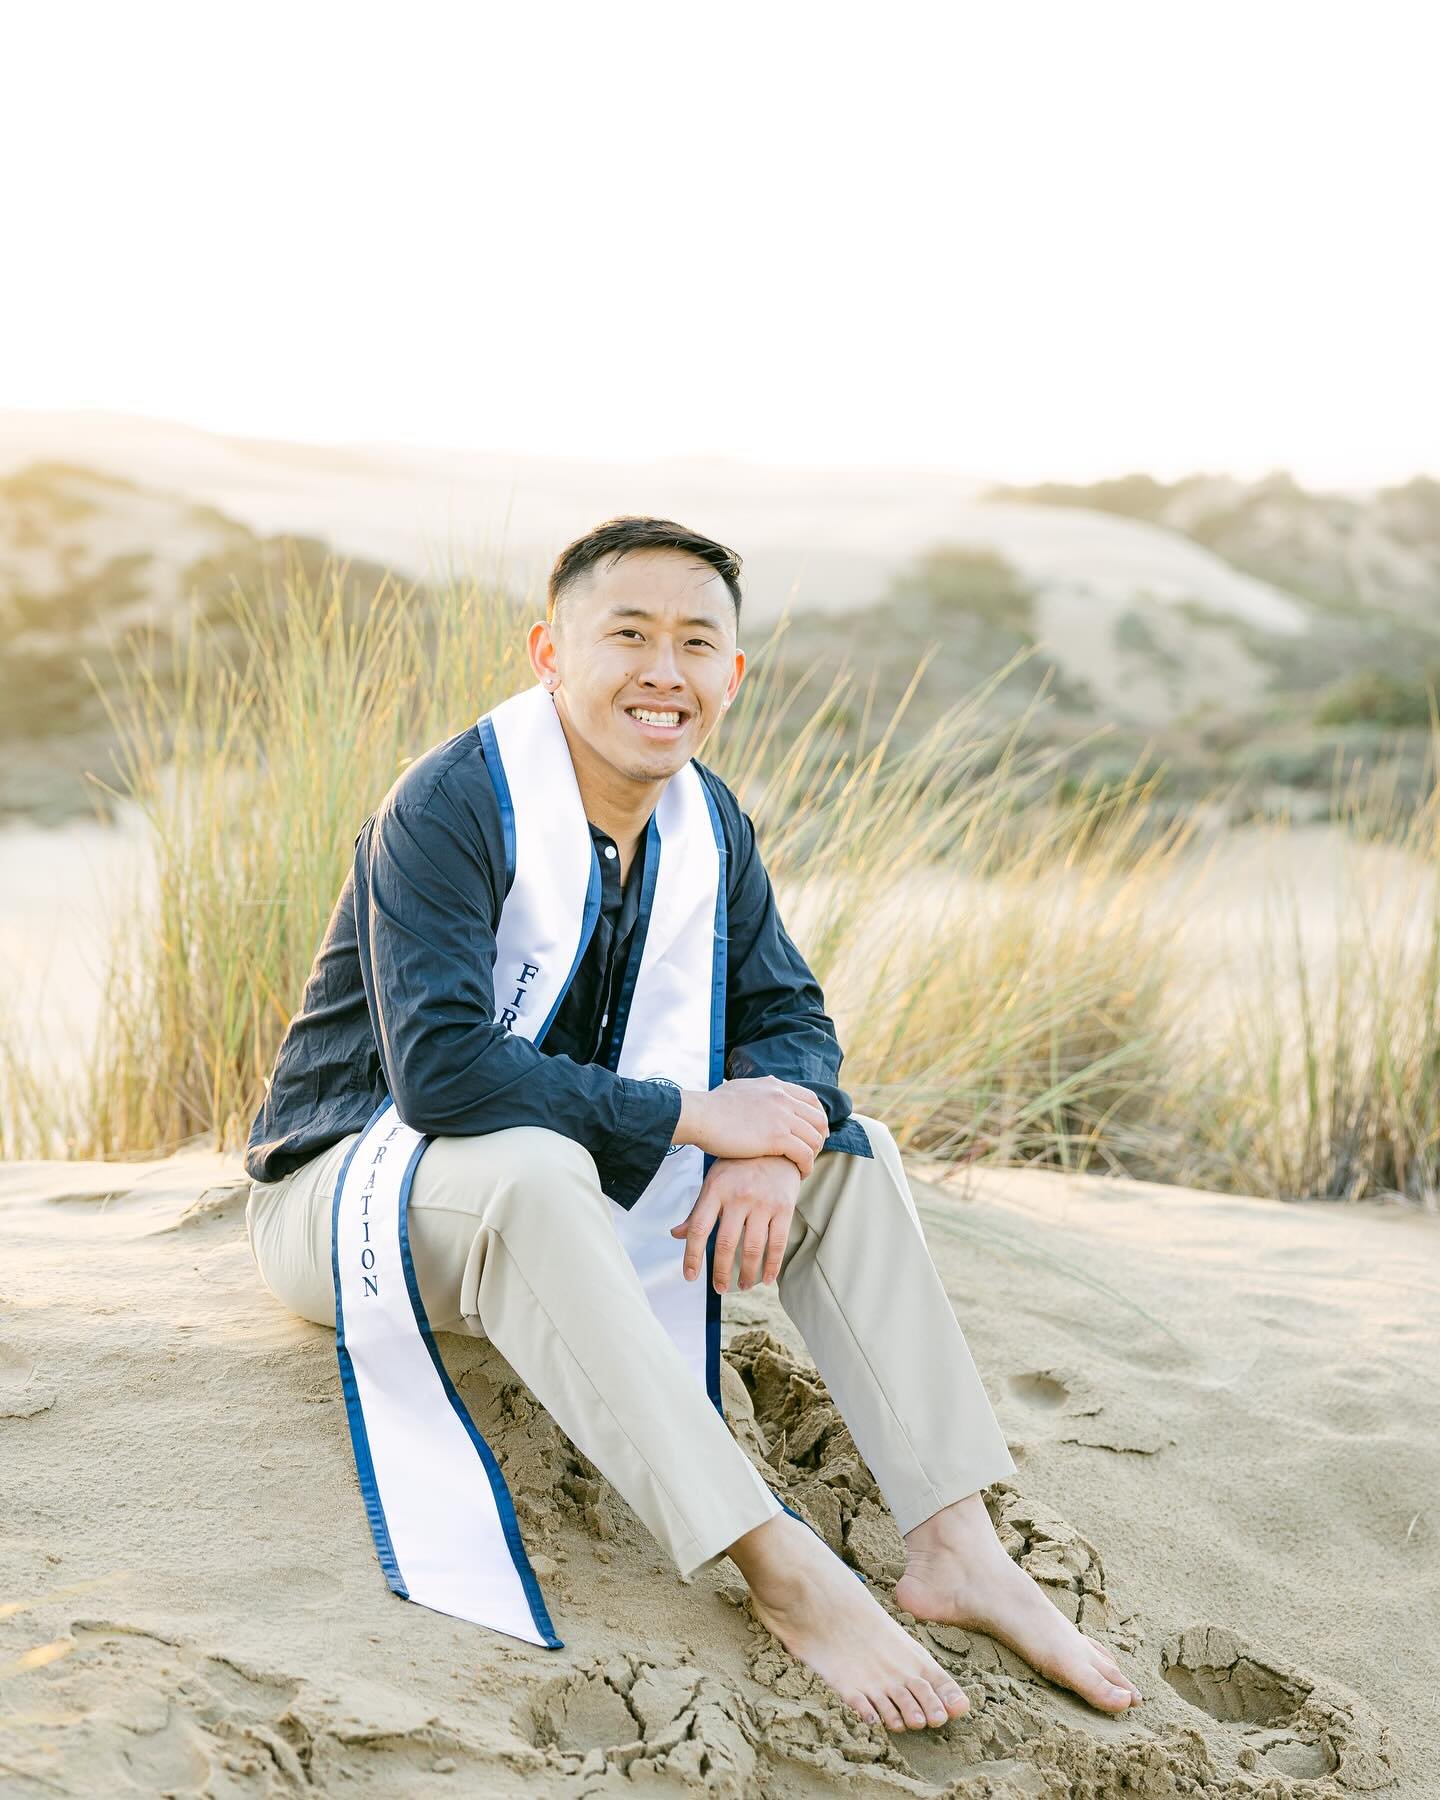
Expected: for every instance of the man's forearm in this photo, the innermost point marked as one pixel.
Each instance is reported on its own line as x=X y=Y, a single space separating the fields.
x=782 y=1058
x=471 y=1088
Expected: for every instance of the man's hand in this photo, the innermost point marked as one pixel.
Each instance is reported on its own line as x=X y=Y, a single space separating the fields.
x=754 y=1116
x=754 y=1199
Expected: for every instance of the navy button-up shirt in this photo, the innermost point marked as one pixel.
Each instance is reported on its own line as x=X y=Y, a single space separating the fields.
x=400 y=998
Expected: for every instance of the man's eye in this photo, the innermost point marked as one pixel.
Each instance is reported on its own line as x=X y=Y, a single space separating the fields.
x=630 y=631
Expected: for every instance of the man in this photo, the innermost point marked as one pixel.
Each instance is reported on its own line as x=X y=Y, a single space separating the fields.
x=533 y=1148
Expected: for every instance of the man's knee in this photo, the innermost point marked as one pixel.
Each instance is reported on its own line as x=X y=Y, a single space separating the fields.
x=878 y=1132
x=885 y=1161
x=525 y=1168
x=855 y=1175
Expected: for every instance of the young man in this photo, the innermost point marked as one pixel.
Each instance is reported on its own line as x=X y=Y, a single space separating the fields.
x=534 y=1148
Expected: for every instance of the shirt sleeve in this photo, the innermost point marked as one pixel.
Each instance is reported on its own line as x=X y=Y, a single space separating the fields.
x=775 y=1018
x=427 y=902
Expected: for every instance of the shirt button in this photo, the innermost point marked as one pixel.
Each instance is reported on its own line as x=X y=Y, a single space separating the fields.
x=604 y=1019
x=611 y=851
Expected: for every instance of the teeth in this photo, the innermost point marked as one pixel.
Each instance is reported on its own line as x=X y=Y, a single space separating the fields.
x=653 y=718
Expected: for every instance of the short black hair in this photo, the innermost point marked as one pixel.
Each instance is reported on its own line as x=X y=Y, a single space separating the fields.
x=631 y=531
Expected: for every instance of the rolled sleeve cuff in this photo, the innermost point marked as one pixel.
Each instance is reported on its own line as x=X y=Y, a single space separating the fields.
x=846 y=1132
x=850 y=1137
x=649 y=1113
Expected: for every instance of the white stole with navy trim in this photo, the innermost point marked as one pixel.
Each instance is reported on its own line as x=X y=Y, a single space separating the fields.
x=440 y=1512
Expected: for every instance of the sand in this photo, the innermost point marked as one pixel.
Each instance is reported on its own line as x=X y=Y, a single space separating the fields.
x=1225 y=1414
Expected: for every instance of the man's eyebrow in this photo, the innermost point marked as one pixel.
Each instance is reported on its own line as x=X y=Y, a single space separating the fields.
x=638 y=612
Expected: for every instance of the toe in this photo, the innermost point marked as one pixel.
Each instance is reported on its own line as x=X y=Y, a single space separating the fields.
x=951 y=1694
x=1091 y=1685
x=911 y=1711
x=861 y=1707
x=1102 y=1653
x=930 y=1702
x=889 y=1713
x=1113 y=1697
x=1112 y=1671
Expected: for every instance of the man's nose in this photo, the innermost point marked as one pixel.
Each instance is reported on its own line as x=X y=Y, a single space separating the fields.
x=662 y=668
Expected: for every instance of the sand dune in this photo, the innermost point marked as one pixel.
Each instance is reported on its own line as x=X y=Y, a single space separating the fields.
x=1224 y=1413
x=827 y=539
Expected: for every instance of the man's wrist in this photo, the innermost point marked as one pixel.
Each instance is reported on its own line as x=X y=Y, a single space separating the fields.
x=690 y=1126
x=788 y=1164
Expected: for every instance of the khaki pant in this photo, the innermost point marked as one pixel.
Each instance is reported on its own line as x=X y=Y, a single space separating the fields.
x=512 y=1240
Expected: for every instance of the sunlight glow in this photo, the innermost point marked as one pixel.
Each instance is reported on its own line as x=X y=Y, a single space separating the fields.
x=1020 y=242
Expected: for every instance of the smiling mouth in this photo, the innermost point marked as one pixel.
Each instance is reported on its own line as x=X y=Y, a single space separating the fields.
x=658 y=721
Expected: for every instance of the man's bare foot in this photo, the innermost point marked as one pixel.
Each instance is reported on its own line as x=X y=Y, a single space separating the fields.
x=804 y=1594
x=958 y=1573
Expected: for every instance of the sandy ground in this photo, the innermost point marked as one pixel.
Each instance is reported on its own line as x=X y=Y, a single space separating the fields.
x=1225 y=1413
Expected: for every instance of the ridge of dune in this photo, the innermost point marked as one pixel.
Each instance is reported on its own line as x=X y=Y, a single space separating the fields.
x=1228 y=1442
x=827 y=539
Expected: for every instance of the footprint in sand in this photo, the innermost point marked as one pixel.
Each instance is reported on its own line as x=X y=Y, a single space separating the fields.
x=1038 y=1387
x=1289 y=1723
x=217 y=1206
x=22 y=1393
x=1075 y=1411
x=641 y=1722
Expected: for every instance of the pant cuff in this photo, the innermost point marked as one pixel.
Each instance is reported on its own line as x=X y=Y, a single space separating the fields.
x=970 y=1478
x=704 y=1553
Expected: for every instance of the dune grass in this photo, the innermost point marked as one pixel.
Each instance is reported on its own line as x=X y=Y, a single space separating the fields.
x=1327 y=1081
x=1004 y=949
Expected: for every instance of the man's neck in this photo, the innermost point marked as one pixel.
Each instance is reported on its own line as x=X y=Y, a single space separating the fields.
x=625 y=823
x=612 y=801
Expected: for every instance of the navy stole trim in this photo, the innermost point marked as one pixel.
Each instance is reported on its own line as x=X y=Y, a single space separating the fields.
x=504 y=1505
x=587 y=931
x=490 y=746
x=359 y=1437
x=649 y=876
x=718 y=971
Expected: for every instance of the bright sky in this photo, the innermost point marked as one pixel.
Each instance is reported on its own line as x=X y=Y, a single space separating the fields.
x=1012 y=239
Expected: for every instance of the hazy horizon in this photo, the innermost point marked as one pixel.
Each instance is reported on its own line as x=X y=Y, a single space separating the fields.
x=976 y=479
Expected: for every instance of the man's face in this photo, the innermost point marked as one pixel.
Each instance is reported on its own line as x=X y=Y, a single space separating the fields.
x=651 y=632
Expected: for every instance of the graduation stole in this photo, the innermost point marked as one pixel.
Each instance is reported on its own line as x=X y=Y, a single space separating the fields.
x=441 y=1515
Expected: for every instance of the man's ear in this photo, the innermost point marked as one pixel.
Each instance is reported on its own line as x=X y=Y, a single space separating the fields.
x=542 y=650
x=736 y=678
